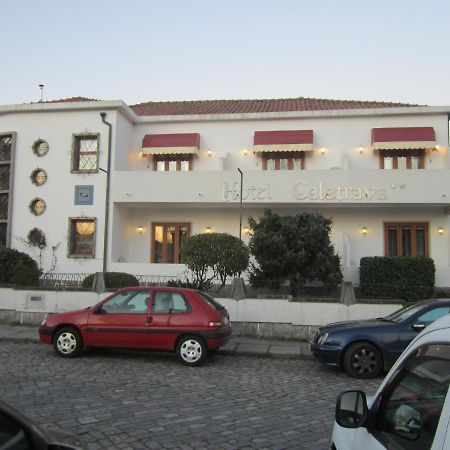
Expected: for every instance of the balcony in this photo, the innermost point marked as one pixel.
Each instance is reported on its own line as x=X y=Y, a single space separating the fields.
x=334 y=187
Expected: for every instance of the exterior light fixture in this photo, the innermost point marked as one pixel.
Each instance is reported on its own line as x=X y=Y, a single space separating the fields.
x=361 y=149
x=322 y=151
x=208 y=230
x=364 y=231
x=209 y=153
x=436 y=148
x=441 y=230
x=245 y=151
x=248 y=231
x=140 y=229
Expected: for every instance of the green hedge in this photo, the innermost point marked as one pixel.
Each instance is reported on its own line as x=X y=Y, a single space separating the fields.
x=398 y=277
x=18 y=268
x=113 y=280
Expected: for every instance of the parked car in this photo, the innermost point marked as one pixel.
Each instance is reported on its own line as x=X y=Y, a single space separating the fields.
x=365 y=347
x=411 y=409
x=17 y=432
x=188 y=322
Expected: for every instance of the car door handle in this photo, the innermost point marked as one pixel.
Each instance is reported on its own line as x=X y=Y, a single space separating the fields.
x=149 y=320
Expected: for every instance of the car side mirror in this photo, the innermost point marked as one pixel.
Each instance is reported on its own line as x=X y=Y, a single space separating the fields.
x=418 y=326
x=99 y=310
x=351 y=409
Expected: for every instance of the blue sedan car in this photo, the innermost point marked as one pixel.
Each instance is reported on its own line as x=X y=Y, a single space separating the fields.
x=366 y=347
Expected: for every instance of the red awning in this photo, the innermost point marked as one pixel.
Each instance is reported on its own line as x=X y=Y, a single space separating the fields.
x=176 y=143
x=403 y=138
x=282 y=141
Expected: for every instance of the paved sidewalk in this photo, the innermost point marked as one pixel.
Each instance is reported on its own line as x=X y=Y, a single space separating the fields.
x=238 y=345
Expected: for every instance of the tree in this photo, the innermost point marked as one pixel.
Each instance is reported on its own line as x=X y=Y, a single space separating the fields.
x=214 y=255
x=295 y=248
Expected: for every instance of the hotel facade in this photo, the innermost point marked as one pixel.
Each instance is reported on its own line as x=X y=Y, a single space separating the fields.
x=89 y=186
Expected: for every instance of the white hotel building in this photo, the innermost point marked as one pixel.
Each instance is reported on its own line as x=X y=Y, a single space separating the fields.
x=148 y=175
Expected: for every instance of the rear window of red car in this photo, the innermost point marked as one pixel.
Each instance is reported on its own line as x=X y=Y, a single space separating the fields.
x=211 y=301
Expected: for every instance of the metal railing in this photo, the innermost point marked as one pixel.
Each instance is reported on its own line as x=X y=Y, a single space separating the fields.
x=62 y=280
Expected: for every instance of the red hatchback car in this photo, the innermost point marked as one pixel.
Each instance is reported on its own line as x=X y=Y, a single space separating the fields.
x=186 y=321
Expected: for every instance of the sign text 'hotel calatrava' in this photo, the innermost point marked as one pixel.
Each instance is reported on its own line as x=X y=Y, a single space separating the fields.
x=304 y=191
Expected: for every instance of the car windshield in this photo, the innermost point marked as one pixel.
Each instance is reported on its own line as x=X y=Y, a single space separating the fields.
x=404 y=313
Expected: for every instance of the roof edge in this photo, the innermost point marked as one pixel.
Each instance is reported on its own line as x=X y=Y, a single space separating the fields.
x=69 y=106
x=398 y=111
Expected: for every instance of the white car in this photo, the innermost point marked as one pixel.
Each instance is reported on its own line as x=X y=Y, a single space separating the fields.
x=411 y=409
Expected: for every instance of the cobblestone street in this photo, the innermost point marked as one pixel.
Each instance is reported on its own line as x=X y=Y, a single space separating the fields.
x=136 y=400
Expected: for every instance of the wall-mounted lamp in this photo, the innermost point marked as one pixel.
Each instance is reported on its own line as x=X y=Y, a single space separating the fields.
x=440 y=230
x=364 y=231
x=208 y=230
x=209 y=153
x=436 y=148
x=361 y=149
x=140 y=229
x=245 y=152
x=322 y=151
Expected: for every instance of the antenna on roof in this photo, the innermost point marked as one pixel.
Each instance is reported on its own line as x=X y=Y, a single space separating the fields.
x=41 y=87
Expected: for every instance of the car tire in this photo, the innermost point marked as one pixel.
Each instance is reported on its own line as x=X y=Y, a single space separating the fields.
x=363 y=360
x=191 y=350
x=67 y=342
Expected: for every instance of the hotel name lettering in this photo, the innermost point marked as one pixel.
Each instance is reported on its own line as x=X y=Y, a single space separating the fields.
x=304 y=191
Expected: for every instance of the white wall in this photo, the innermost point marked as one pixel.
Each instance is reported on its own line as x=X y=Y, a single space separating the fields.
x=248 y=310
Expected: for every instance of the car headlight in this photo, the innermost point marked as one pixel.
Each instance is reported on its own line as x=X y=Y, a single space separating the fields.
x=322 y=339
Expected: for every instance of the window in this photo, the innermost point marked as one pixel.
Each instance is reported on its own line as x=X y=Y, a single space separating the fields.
x=432 y=315
x=37 y=206
x=7 y=144
x=38 y=177
x=85 y=154
x=82 y=238
x=128 y=302
x=406 y=239
x=283 y=160
x=409 y=413
x=40 y=147
x=167 y=240
x=402 y=159
x=172 y=163
x=169 y=303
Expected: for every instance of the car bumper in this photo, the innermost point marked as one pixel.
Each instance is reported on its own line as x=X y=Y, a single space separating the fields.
x=45 y=334
x=330 y=356
x=218 y=338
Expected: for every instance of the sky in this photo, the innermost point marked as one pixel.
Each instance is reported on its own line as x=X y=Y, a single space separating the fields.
x=159 y=50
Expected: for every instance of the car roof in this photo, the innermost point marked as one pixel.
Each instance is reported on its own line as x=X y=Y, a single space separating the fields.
x=434 y=300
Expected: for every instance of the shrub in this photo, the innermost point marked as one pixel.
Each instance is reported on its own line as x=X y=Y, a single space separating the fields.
x=214 y=255
x=113 y=280
x=401 y=277
x=294 y=248
x=18 y=268
x=194 y=284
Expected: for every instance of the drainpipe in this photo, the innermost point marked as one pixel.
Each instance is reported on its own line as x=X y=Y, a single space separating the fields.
x=108 y=175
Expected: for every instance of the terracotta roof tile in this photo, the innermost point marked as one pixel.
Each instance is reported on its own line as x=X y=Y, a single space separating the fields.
x=195 y=107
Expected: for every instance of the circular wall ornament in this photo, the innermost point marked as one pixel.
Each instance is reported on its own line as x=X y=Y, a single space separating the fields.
x=36 y=237
x=40 y=147
x=37 y=206
x=38 y=177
